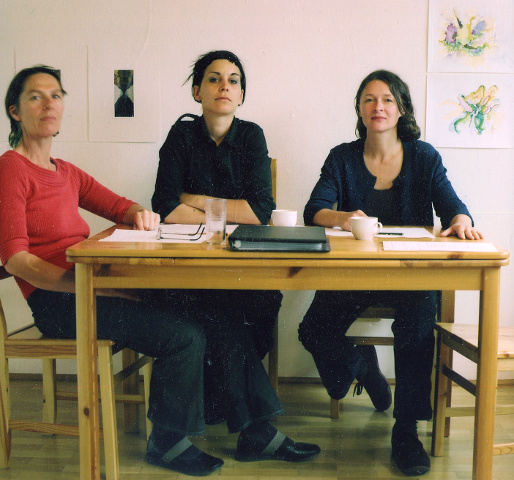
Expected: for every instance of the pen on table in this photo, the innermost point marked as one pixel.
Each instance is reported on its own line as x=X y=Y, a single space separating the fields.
x=391 y=233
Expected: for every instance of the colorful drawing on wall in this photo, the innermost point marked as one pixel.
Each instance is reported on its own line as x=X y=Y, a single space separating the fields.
x=471 y=36
x=477 y=110
x=133 y=113
x=470 y=111
x=123 y=93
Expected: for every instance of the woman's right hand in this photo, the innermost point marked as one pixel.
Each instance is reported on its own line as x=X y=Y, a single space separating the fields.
x=346 y=222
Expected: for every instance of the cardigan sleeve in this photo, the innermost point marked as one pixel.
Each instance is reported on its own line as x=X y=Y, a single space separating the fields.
x=328 y=189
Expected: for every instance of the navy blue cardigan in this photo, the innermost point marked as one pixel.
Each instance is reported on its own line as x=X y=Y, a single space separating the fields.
x=422 y=183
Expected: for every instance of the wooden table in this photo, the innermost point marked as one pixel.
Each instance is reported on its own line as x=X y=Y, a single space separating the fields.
x=351 y=265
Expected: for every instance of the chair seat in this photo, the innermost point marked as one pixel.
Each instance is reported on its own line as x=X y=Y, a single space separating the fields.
x=466 y=335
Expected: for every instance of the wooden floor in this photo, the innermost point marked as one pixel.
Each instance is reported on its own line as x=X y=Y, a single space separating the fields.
x=357 y=446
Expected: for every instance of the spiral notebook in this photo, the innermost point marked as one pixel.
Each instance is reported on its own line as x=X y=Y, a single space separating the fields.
x=267 y=238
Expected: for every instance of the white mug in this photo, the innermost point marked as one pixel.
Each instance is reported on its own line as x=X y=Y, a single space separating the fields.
x=364 y=228
x=284 y=218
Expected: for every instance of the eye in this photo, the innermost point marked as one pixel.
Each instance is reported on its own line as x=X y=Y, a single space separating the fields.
x=213 y=79
x=234 y=81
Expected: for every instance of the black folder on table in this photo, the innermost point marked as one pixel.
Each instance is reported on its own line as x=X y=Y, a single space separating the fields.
x=248 y=238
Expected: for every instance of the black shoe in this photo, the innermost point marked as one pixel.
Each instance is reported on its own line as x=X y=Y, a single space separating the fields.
x=336 y=376
x=409 y=455
x=280 y=448
x=183 y=460
x=374 y=381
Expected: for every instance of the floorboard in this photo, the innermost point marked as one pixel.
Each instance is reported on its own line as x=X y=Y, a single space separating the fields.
x=356 y=446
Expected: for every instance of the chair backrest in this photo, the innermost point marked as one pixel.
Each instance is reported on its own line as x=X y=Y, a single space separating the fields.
x=274 y=178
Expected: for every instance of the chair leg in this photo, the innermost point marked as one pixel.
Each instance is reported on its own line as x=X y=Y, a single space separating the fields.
x=441 y=398
x=108 y=413
x=130 y=386
x=5 y=415
x=49 y=391
x=334 y=408
x=147 y=375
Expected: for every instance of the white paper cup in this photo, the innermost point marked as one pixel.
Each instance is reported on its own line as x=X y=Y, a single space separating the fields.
x=216 y=220
x=284 y=218
x=364 y=228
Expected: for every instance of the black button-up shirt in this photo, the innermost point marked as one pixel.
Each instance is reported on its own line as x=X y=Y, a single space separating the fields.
x=237 y=168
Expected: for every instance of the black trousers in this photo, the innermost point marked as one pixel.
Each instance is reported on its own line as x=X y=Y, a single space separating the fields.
x=323 y=334
x=178 y=339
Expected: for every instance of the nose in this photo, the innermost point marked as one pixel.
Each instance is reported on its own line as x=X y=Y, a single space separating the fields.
x=224 y=85
x=49 y=102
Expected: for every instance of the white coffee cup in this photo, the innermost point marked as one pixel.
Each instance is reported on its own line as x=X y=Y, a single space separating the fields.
x=364 y=228
x=284 y=218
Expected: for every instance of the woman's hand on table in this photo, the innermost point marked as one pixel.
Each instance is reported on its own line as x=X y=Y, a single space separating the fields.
x=462 y=227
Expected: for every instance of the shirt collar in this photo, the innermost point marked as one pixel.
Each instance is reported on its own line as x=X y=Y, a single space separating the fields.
x=231 y=137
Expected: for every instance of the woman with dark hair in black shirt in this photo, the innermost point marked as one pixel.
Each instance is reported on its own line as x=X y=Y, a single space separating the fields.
x=217 y=155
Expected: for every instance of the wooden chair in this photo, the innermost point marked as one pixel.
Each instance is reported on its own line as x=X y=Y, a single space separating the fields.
x=463 y=339
x=273 y=353
x=28 y=342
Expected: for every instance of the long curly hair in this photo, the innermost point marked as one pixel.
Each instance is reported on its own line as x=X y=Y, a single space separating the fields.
x=407 y=127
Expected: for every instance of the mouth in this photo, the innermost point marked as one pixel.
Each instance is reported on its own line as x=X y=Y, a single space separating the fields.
x=224 y=98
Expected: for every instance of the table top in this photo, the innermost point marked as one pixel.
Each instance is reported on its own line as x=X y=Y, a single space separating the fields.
x=346 y=248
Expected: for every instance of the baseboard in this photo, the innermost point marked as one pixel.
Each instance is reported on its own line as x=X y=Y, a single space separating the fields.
x=61 y=377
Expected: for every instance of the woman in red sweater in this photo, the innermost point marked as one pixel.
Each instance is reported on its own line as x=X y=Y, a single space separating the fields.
x=40 y=198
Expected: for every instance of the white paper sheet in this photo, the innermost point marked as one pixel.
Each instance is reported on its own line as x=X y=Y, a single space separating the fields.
x=405 y=232
x=439 y=247
x=173 y=233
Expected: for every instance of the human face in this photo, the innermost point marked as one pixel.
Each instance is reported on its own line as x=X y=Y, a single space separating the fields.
x=40 y=107
x=220 y=91
x=378 y=108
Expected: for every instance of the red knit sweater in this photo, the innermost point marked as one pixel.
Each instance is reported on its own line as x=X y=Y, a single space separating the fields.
x=39 y=209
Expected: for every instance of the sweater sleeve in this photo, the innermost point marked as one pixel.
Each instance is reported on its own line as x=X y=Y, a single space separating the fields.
x=97 y=199
x=13 y=224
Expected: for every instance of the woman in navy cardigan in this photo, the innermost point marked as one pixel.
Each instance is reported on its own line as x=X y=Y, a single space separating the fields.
x=387 y=173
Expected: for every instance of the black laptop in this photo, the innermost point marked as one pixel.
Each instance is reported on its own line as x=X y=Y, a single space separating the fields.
x=265 y=238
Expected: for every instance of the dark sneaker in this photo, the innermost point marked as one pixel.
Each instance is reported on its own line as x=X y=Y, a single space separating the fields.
x=374 y=381
x=409 y=455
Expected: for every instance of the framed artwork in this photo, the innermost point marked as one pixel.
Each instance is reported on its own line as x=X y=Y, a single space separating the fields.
x=6 y=74
x=471 y=36
x=124 y=98
x=71 y=60
x=470 y=110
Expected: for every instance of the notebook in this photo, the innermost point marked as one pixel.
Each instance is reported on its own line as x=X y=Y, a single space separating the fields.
x=278 y=239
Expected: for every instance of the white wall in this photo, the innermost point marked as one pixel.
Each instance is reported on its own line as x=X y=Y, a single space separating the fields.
x=304 y=61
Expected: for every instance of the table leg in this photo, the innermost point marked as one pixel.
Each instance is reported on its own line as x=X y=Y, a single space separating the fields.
x=487 y=375
x=89 y=440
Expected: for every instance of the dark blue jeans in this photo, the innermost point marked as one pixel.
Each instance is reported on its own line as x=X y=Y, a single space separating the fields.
x=178 y=340
x=323 y=334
